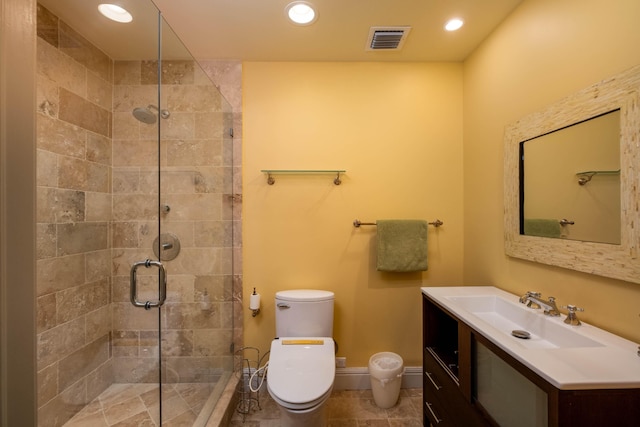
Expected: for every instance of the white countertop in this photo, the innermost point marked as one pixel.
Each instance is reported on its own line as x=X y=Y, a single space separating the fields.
x=613 y=363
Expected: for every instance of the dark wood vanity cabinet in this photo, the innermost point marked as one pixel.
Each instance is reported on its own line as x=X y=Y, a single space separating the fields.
x=453 y=358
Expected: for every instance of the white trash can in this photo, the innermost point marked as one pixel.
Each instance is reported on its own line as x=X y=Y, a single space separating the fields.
x=386 y=371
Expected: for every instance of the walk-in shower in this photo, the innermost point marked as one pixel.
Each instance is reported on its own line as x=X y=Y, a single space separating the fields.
x=147 y=115
x=103 y=181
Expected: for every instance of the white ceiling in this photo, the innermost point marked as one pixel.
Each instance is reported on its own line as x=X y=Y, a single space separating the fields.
x=258 y=30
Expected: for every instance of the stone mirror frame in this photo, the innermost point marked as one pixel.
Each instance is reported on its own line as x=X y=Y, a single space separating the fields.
x=616 y=261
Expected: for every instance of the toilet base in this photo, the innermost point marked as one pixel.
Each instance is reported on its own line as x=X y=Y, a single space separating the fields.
x=314 y=418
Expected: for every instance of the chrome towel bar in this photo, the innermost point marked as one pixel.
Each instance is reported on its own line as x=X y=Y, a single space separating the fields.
x=357 y=223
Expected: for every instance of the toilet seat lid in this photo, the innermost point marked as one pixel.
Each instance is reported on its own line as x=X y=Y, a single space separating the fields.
x=301 y=369
x=305 y=295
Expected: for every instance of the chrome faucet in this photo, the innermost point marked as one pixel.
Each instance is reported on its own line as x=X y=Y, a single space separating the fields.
x=524 y=299
x=535 y=298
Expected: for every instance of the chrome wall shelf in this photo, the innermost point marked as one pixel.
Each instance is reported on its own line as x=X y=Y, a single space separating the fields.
x=271 y=180
x=584 y=177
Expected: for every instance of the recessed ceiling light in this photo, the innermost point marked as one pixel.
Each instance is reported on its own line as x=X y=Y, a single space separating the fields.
x=115 y=12
x=453 y=24
x=301 y=12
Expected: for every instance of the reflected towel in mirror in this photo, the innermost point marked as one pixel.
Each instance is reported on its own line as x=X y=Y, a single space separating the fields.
x=542 y=227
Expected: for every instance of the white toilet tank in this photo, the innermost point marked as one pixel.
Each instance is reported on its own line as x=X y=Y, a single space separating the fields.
x=304 y=313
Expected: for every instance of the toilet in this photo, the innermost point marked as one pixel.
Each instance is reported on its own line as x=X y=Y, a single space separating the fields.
x=302 y=359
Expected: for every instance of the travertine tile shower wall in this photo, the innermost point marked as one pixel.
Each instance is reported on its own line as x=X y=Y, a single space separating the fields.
x=196 y=161
x=73 y=213
x=98 y=212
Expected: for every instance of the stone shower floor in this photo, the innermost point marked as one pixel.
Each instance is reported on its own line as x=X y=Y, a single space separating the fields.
x=125 y=405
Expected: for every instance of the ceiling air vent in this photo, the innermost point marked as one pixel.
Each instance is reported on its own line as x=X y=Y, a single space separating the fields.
x=387 y=38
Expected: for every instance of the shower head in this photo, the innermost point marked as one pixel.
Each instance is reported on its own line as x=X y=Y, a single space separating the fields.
x=146 y=115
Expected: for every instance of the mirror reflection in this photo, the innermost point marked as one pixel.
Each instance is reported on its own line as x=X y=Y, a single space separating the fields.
x=570 y=182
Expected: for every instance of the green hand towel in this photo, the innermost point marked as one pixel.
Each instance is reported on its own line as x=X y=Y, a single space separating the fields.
x=402 y=245
x=542 y=227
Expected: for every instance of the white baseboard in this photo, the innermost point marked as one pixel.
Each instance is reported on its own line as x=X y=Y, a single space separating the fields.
x=358 y=378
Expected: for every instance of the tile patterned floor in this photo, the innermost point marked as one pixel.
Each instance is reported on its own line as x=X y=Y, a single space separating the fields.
x=136 y=405
x=345 y=408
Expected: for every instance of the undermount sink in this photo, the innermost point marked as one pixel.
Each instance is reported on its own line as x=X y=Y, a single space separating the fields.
x=507 y=316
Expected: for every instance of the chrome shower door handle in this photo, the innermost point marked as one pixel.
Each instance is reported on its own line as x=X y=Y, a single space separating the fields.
x=134 y=284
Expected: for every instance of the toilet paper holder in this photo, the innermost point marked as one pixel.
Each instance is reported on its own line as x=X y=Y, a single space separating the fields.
x=254 y=303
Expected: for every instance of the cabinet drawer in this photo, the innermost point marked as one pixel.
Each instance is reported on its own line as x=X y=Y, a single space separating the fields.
x=435 y=415
x=441 y=390
x=439 y=385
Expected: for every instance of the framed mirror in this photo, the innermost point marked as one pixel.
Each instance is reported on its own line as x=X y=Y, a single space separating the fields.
x=616 y=99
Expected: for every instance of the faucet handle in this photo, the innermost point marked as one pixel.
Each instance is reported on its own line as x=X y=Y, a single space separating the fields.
x=572 y=319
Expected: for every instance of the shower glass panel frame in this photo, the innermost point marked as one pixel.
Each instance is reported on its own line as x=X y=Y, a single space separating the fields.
x=157 y=189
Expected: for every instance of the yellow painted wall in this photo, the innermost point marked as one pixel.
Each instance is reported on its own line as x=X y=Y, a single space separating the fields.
x=546 y=50
x=397 y=130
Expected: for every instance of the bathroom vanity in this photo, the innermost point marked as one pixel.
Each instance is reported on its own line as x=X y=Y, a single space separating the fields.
x=476 y=373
